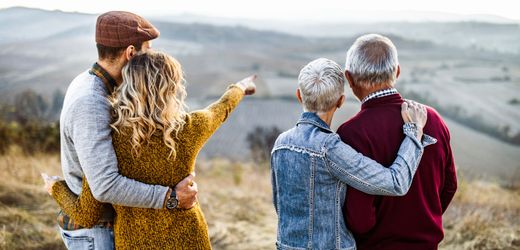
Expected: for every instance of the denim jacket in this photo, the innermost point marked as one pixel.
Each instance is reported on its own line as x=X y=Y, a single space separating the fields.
x=311 y=168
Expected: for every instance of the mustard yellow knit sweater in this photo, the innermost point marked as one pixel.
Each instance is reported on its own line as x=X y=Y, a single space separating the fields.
x=141 y=228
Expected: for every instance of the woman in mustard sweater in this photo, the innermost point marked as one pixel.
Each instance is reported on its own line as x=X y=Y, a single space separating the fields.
x=156 y=142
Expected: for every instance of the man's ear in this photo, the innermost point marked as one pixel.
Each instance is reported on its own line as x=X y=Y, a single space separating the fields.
x=130 y=52
x=299 y=95
x=350 y=79
x=398 y=72
x=341 y=100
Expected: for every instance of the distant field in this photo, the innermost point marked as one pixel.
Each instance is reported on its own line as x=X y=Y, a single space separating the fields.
x=487 y=91
x=237 y=202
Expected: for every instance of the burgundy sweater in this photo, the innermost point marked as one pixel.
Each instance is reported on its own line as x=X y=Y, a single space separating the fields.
x=413 y=221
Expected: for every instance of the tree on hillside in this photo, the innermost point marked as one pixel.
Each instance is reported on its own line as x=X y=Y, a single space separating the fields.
x=37 y=137
x=5 y=139
x=28 y=123
x=56 y=104
x=29 y=106
x=261 y=141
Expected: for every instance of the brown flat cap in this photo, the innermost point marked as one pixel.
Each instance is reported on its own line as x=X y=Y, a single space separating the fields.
x=120 y=29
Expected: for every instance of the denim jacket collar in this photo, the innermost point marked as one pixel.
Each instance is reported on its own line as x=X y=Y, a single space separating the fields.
x=314 y=119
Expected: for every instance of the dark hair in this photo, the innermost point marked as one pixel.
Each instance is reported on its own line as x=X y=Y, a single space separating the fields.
x=111 y=53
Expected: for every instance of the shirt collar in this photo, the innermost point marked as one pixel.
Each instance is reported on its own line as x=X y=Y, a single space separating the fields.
x=379 y=93
x=108 y=80
x=314 y=119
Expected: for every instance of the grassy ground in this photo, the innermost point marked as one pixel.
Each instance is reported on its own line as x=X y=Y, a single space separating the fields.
x=236 y=200
x=27 y=214
x=483 y=215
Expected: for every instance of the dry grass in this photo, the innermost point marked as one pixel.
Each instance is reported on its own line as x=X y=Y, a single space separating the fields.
x=236 y=200
x=483 y=215
x=27 y=214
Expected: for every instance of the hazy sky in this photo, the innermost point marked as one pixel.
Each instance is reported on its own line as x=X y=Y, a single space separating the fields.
x=278 y=9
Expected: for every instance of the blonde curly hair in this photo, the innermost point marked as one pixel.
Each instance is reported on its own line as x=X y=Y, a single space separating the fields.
x=151 y=99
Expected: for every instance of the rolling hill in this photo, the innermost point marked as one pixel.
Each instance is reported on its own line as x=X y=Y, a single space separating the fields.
x=44 y=50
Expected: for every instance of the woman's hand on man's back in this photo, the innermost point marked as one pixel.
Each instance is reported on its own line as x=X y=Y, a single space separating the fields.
x=414 y=112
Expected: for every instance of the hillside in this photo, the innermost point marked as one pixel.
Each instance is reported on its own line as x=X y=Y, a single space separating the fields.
x=22 y=24
x=483 y=36
x=477 y=88
x=42 y=48
x=488 y=33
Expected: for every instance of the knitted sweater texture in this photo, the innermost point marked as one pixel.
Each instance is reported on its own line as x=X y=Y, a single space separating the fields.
x=145 y=228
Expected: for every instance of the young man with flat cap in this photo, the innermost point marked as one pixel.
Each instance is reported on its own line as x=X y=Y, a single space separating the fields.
x=86 y=142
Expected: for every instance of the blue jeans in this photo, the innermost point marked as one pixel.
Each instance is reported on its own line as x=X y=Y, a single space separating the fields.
x=96 y=238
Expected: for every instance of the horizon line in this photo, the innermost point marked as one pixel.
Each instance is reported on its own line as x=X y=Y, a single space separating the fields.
x=477 y=18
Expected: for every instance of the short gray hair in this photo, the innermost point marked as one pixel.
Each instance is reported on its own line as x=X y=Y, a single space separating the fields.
x=372 y=60
x=321 y=84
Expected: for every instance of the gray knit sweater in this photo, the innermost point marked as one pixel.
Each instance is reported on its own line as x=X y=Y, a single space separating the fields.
x=86 y=148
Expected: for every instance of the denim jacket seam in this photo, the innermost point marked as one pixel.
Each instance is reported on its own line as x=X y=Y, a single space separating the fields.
x=411 y=131
x=311 y=199
x=428 y=140
x=326 y=142
x=283 y=246
x=337 y=207
x=317 y=124
x=277 y=206
x=298 y=149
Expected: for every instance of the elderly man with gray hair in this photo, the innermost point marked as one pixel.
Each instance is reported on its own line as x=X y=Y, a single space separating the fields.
x=311 y=167
x=413 y=221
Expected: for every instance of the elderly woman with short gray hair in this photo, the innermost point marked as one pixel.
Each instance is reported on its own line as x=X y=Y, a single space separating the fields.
x=311 y=167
